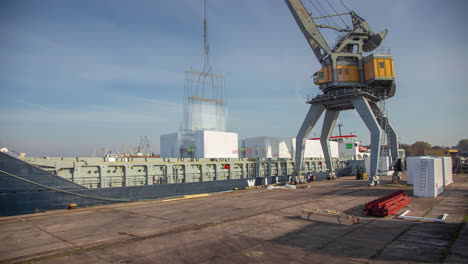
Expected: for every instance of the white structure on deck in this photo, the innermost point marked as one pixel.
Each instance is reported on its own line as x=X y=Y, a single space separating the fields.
x=283 y=147
x=203 y=129
x=268 y=147
x=313 y=149
x=215 y=144
x=200 y=144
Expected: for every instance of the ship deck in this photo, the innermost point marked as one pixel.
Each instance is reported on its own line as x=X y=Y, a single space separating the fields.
x=248 y=226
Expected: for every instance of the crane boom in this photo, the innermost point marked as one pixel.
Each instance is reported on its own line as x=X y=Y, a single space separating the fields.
x=344 y=65
x=309 y=29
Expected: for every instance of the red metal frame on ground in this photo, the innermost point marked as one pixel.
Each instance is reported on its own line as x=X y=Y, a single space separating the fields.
x=386 y=205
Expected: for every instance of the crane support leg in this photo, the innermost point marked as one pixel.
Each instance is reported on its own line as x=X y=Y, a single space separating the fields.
x=327 y=129
x=392 y=135
x=393 y=141
x=365 y=111
x=315 y=111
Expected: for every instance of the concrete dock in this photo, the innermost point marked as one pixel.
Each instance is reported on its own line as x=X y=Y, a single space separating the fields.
x=249 y=226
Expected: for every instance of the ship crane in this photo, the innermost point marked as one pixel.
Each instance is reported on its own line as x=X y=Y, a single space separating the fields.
x=348 y=80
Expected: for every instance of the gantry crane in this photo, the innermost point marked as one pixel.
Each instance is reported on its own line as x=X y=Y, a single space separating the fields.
x=348 y=80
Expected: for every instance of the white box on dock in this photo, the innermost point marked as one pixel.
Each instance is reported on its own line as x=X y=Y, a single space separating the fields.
x=425 y=173
x=447 y=170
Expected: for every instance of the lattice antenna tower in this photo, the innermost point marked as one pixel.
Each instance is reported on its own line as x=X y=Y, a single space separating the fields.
x=206 y=46
x=204 y=96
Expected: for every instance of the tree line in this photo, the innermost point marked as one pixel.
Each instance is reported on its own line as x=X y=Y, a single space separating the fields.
x=419 y=148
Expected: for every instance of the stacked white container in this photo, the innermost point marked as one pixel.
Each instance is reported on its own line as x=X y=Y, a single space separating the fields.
x=447 y=170
x=204 y=144
x=279 y=147
x=216 y=144
x=313 y=149
x=269 y=147
x=425 y=173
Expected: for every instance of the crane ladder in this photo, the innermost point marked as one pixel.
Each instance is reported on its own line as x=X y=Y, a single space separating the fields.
x=383 y=137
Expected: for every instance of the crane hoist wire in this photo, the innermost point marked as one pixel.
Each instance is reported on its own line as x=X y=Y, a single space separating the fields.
x=321 y=12
x=344 y=6
x=346 y=26
x=330 y=20
x=324 y=14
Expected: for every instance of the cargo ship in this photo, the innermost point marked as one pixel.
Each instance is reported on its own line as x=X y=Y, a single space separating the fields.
x=34 y=185
x=203 y=156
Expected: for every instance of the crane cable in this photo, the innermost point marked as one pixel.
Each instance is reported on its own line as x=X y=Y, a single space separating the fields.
x=319 y=11
x=337 y=13
x=68 y=192
x=323 y=12
x=344 y=6
x=331 y=20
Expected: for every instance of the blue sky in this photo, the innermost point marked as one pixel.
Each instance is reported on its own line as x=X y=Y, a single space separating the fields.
x=81 y=75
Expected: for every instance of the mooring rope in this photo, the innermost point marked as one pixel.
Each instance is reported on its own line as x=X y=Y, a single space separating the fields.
x=68 y=192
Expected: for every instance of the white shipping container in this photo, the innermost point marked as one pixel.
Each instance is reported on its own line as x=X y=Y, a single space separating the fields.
x=411 y=169
x=426 y=176
x=285 y=148
x=268 y=147
x=279 y=147
x=313 y=149
x=257 y=147
x=447 y=170
x=216 y=144
x=204 y=144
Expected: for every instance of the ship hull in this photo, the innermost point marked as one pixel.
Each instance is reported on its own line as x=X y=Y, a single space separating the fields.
x=26 y=189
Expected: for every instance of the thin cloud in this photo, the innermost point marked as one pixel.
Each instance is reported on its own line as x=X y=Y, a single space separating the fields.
x=135 y=111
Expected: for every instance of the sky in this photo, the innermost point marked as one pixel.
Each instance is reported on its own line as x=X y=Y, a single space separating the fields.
x=76 y=76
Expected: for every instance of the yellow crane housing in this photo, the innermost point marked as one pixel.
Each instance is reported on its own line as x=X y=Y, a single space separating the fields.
x=377 y=67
